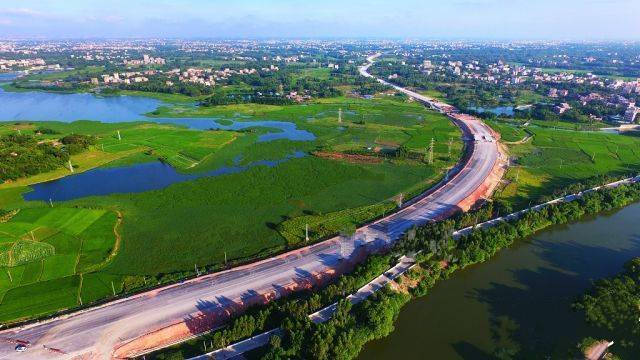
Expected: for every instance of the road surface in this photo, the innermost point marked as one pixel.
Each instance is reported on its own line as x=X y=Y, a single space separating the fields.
x=235 y=351
x=100 y=332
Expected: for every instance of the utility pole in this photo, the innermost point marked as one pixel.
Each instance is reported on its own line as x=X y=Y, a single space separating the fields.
x=306 y=232
x=431 y=151
x=119 y=137
x=225 y=258
x=340 y=116
x=113 y=289
x=70 y=166
x=343 y=248
x=50 y=202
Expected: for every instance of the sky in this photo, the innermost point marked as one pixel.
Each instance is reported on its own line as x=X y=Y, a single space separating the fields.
x=587 y=20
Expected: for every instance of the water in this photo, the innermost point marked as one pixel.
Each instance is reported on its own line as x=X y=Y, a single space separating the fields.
x=498 y=110
x=8 y=76
x=285 y=130
x=47 y=106
x=518 y=304
x=130 y=179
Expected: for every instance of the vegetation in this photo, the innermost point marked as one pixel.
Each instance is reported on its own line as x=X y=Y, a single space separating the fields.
x=292 y=310
x=270 y=205
x=44 y=253
x=351 y=328
x=612 y=306
x=440 y=256
x=23 y=155
x=555 y=158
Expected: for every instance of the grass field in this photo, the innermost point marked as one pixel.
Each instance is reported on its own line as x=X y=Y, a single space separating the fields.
x=44 y=252
x=67 y=251
x=180 y=147
x=555 y=158
x=253 y=213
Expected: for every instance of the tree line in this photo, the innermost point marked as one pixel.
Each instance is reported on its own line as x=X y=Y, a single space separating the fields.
x=23 y=155
x=438 y=256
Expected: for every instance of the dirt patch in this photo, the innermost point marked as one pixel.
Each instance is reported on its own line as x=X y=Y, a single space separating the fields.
x=7 y=216
x=203 y=321
x=352 y=158
x=492 y=181
x=391 y=144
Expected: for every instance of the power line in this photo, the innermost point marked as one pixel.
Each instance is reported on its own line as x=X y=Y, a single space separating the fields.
x=431 y=146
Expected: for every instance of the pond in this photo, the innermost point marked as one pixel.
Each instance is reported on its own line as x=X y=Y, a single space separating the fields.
x=131 y=179
x=498 y=110
x=517 y=305
x=48 y=106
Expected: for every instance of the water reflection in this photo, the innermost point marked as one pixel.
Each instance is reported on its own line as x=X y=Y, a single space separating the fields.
x=47 y=106
x=518 y=304
x=130 y=179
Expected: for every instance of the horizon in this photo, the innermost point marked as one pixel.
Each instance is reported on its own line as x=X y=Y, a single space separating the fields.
x=473 y=20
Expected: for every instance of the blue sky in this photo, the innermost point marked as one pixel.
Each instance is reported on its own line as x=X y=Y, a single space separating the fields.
x=443 y=19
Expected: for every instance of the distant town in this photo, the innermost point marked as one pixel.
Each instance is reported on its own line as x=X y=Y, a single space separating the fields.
x=580 y=82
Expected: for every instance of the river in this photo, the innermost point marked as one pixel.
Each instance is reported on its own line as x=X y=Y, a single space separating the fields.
x=517 y=305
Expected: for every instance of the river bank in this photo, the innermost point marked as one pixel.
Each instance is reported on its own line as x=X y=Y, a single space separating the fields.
x=518 y=304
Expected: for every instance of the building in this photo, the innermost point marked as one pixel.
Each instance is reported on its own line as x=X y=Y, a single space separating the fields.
x=631 y=113
x=562 y=108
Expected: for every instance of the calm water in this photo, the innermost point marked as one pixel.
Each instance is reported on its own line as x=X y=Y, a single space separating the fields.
x=129 y=179
x=47 y=106
x=516 y=306
x=499 y=110
x=8 y=76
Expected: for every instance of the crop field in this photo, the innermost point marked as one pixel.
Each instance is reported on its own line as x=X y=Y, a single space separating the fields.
x=254 y=213
x=43 y=254
x=182 y=148
x=69 y=250
x=555 y=158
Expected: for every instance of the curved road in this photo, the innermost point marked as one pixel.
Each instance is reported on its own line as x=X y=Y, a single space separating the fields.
x=95 y=333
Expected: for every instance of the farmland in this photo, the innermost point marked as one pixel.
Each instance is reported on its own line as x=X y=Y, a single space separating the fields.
x=262 y=210
x=179 y=147
x=555 y=158
x=44 y=254
x=239 y=216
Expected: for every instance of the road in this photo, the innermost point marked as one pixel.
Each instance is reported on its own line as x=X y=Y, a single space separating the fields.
x=235 y=351
x=97 y=333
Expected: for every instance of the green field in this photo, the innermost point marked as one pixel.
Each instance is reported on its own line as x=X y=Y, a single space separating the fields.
x=43 y=254
x=255 y=213
x=262 y=210
x=555 y=158
x=180 y=147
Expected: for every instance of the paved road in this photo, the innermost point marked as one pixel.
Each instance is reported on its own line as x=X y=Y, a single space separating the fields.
x=235 y=351
x=94 y=333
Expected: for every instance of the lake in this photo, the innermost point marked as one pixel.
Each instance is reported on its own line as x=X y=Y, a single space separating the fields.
x=516 y=305
x=130 y=179
x=48 y=106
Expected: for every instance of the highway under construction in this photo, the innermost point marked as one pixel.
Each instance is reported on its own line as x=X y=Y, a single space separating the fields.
x=130 y=326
